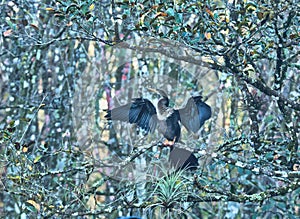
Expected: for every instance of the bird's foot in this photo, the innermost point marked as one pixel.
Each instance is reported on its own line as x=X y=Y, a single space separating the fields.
x=168 y=143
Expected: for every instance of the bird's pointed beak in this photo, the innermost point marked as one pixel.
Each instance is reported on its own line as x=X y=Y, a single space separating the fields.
x=152 y=90
x=158 y=91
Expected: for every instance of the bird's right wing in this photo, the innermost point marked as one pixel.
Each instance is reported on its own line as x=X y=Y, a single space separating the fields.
x=140 y=111
x=194 y=114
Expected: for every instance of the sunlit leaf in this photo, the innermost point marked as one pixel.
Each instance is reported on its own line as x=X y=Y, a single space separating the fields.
x=92 y=7
x=34 y=204
x=16 y=178
x=296 y=167
x=50 y=9
x=37 y=158
x=30 y=167
x=25 y=149
x=251 y=6
x=207 y=35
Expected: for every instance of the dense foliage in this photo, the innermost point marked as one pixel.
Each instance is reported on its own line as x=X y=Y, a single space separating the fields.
x=62 y=63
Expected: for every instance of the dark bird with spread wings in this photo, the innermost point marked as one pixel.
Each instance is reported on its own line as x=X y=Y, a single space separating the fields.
x=166 y=119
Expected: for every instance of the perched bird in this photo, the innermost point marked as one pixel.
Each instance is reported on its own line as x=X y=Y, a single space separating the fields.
x=168 y=122
x=166 y=119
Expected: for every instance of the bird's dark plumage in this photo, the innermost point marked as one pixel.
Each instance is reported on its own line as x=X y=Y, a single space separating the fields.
x=143 y=113
x=182 y=159
x=194 y=114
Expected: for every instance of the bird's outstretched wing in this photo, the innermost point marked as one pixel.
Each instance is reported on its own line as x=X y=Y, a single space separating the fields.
x=140 y=111
x=194 y=114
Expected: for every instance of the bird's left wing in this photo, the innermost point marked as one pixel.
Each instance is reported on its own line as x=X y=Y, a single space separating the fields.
x=194 y=114
x=140 y=111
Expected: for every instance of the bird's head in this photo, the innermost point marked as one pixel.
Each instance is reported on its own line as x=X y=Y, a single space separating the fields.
x=164 y=101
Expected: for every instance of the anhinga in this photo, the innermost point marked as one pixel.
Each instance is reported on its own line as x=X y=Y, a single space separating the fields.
x=143 y=113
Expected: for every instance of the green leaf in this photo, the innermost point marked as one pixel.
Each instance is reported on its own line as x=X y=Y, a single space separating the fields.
x=178 y=17
x=170 y=12
x=11 y=24
x=37 y=158
x=176 y=28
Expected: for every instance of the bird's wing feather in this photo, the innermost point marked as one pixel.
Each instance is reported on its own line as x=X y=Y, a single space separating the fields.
x=194 y=114
x=141 y=112
x=181 y=158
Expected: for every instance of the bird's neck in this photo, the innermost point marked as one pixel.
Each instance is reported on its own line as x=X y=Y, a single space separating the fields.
x=164 y=113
